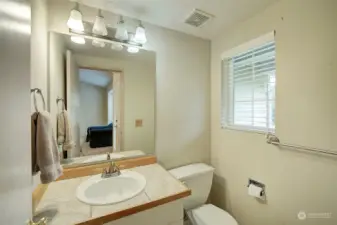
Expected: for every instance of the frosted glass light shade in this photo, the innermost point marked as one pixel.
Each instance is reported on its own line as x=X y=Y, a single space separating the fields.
x=75 y=20
x=121 y=32
x=78 y=40
x=133 y=49
x=98 y=44
x=116 y=47
x=99 y=27
x=140 y=36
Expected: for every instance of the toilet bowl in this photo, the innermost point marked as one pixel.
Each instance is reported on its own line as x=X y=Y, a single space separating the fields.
x=210 y=215
x=198 y=177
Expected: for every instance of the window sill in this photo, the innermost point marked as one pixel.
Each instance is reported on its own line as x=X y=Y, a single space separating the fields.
x=249 y=130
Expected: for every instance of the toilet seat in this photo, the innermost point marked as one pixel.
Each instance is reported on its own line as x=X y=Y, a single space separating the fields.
x=212 y=215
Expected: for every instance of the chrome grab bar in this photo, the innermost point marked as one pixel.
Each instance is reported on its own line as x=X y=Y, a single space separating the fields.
x=274 y=140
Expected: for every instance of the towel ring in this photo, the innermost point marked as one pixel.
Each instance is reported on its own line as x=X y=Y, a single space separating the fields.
x=63 y=104
x=38 y=91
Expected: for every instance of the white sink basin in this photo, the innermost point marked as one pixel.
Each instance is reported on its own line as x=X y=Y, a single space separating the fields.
x=102 y=157
x=105 y=191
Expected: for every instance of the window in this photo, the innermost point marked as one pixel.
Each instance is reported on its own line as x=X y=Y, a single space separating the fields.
x=249 y=88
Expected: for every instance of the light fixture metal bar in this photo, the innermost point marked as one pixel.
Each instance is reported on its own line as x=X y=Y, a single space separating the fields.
x=106 y=39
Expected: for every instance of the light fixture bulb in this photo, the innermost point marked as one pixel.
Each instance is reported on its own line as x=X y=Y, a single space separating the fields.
x=121 y=32
x=132 y=49
x=116 y=47
x=140 y=36
x=98 y=44
x=78 y=40
x=99 y=27
x=75 y=20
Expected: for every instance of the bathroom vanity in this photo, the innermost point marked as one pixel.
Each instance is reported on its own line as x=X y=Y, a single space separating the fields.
x=101 y=112
x=161 y=196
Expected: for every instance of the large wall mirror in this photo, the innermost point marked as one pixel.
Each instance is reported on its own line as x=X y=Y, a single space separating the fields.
x=102 y=96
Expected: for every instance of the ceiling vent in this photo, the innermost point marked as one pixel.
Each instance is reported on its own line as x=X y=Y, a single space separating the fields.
x=198 y=18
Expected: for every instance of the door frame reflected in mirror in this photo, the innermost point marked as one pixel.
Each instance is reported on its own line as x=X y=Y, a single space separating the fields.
x=118 y=125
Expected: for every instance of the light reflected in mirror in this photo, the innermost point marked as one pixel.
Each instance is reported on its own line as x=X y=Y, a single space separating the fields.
x=103 y=99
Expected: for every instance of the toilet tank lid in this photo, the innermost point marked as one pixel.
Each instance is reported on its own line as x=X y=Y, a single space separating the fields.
x=212 y=215
x=191 y=170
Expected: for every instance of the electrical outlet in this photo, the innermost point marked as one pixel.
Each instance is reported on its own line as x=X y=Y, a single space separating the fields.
x=139 y=123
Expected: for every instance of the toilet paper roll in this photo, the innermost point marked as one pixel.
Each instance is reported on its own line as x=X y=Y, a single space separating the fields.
x=255 y=191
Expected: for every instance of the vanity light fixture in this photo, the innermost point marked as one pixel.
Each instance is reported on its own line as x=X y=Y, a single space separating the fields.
x=75 y=19
x=78 y=40
x=100 y=41
x=121 y=32
x=132 y=49
x=98 y=44
x=99 y=27
x=116 y=47
x=140 y=36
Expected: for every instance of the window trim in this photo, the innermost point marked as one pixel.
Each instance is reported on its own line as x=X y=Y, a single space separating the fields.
x=248 y=45
x=225 y=102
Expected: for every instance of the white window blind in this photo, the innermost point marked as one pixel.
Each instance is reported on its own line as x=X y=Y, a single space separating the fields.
x=248 y=98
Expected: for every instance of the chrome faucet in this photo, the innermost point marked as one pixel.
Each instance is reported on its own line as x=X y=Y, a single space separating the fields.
x=108 y=156
x=112 y=171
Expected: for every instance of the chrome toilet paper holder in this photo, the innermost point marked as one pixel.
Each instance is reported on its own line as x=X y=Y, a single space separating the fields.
x=258 y=184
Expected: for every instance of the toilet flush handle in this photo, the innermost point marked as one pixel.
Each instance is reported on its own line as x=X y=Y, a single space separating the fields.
x=184 y=183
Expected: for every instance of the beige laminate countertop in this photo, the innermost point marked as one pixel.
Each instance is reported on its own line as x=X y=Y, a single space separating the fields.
x=60 y=205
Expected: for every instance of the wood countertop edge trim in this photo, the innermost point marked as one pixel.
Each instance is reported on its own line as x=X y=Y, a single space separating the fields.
x=136 y=209
x=38 y=194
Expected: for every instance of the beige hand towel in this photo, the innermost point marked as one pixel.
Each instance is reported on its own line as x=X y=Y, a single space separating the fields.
x=63 y=131
x=45 y=156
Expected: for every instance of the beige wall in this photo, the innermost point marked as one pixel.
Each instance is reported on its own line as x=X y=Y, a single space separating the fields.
x=56 y=74
x=182 y=88
x=182 y=97
x=139 y=98
x=93 y=107
x=306 y=113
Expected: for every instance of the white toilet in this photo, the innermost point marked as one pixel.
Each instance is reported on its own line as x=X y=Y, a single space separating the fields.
x=198 y=177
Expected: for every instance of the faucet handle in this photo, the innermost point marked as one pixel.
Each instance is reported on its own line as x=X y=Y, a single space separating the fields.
x=117 y=169
x=112 y=167
x=105 y=171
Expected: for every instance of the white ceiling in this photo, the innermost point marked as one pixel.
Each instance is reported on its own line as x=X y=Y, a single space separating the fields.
x=172 y=13
x=95 y=77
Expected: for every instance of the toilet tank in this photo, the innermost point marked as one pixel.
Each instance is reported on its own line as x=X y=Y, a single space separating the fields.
x=198 y=177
